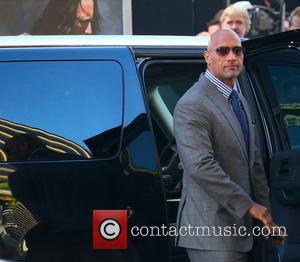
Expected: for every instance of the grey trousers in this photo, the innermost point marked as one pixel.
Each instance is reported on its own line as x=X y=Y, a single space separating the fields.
x=197 y=255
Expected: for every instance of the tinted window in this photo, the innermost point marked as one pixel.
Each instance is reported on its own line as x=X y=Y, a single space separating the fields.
x=72 y=107
x=171 y=80
x=286 y=83
x=275 y=78
x=166 y=82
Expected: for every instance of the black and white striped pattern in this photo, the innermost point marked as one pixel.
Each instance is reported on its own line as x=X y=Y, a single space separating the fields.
x=222 y=87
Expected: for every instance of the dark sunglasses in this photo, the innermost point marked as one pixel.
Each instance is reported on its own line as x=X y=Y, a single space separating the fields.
x=225 y=50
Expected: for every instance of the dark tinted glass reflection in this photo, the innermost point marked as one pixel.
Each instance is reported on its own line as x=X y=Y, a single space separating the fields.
x=286 y=82
x=67 y=105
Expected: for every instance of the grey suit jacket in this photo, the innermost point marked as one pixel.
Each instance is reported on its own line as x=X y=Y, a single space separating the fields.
x=220 y=179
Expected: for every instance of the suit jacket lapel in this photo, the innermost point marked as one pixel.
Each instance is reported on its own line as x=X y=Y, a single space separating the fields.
x=221 y=103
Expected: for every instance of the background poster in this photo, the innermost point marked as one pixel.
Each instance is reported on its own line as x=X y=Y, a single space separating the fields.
x=18 y=16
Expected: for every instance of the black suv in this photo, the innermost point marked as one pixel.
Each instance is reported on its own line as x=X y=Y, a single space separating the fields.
x=86 y=124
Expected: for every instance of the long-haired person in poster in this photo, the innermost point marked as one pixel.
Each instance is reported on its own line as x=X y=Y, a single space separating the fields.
x=63 y=17
x=68 y=17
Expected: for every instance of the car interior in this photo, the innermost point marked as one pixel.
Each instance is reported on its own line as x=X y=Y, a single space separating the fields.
x=166 y=82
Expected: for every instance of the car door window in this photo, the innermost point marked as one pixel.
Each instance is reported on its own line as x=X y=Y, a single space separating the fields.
x=74 y=108
x=276 y=78
x=166 y=82
x=286 y=82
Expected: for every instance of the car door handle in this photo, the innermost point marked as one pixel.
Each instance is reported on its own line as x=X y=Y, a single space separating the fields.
x=288 y=196
x=285 y=168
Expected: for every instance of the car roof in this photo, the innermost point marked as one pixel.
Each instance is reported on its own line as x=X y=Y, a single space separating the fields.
x=103 y=40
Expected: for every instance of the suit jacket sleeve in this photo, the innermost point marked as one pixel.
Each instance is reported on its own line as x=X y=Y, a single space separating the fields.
x=194 y=141
x=259 y=182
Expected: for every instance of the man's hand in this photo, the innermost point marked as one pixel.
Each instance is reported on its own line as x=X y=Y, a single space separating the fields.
x=262 y=214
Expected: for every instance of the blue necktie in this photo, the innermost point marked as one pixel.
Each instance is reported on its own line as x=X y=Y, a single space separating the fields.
x=241 y=116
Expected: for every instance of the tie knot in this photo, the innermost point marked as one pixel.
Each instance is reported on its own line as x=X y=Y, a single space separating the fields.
x=234 y=95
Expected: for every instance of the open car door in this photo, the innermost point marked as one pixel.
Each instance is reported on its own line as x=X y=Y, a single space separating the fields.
x=272 y=65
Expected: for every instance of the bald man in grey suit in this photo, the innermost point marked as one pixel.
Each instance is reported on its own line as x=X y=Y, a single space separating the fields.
x=224 y=184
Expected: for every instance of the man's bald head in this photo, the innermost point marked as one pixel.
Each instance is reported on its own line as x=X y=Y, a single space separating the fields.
x=220 y=35
x=224 y=55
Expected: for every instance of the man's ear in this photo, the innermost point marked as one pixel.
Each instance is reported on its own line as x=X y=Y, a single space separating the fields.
x=207 y=57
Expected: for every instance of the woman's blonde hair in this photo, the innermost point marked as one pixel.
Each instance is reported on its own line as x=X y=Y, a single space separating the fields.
x=232 y=9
